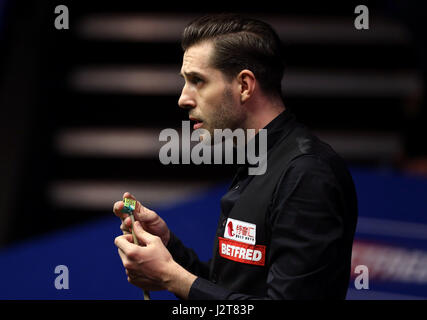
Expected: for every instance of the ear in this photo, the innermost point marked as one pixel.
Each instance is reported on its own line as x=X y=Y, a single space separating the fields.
x=247 y=82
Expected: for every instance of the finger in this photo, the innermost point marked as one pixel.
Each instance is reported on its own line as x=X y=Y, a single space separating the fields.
x=144 y=214
x=141 y=212
x=128 y=237
x=117 y=209
x=125 y=261
x=125 y=243
x=138 y=206
x=128 y=195
x=125 y=228
x=143 y=236
x=122 y=256
x=118 y=206
x=127 y=223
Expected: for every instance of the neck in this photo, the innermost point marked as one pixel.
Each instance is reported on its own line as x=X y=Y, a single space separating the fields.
x=262 y=112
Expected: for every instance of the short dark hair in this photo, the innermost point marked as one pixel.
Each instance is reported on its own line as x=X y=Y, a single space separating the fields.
x=240 y=43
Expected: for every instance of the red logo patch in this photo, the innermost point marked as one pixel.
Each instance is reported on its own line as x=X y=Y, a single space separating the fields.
x=230 y=229
x=242 y=252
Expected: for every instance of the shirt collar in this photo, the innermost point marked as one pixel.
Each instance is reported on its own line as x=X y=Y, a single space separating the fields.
x=274 y=131
x=276 y=126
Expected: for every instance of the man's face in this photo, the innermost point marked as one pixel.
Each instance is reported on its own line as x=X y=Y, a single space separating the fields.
x=211 y=99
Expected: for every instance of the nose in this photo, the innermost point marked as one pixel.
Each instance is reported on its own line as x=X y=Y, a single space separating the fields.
x=186 y=101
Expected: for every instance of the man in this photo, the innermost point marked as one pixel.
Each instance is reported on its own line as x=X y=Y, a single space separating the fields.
x=286 y=234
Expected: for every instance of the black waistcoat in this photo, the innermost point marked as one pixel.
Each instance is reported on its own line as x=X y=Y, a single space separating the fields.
x=252 y=208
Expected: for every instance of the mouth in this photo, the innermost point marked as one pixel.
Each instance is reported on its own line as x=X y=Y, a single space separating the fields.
x=198 y=124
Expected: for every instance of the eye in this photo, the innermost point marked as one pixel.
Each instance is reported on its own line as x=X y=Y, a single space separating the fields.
x=196 y=80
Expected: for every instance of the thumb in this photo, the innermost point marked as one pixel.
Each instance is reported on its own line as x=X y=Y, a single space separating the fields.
x=144 y=214
x=143 y=236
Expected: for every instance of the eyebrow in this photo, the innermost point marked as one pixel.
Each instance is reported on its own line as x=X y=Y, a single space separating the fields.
x=191 y=74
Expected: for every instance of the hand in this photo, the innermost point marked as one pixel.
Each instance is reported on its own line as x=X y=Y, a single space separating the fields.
x=150 y=266
x=149 y=219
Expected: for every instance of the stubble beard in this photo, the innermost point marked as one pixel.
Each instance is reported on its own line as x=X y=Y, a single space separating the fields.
x=226 y=116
